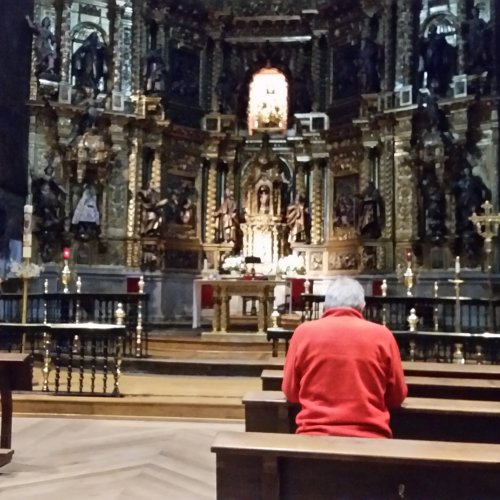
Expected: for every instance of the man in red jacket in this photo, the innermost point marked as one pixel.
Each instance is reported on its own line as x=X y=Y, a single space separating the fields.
x=344 y=371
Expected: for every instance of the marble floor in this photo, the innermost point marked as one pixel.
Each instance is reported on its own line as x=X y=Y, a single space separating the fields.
x=77 y=459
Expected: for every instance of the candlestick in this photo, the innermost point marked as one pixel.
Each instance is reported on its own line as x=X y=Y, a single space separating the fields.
x=383 y=288
x=457 y=265
x=66 y=276
x=436 y=307
x=205 y=265
x=78 y=285
x=408 y=279
x=141 y=284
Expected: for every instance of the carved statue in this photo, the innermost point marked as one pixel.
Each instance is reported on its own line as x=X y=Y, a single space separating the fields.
x=89 y=66
x=296 y=219
x=227 y=219
x=152 y=206
x=155 y=72
x=471 y=193
x=434 y=206
x=368 y=61
x=45 y=47
x=477 y=56
x=372 y=212
x=188 y=212
x=437 y=61
x=86 y=217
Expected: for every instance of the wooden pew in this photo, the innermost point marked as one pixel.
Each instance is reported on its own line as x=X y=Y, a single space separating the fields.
x=15 y=374
x=419 y=418
x=411 y=369
x=421 y=387
x=253 y=466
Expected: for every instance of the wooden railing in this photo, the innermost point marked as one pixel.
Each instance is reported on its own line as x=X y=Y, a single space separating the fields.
x=425 y=345
x=445 y=314
x=74 y=358
x=85 y=307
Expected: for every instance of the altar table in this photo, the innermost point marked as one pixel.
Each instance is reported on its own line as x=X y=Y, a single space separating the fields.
x=261 y=290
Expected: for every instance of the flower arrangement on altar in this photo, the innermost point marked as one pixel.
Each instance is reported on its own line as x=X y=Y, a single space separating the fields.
x=233 y=263
x=24 y=270
x=291 y=264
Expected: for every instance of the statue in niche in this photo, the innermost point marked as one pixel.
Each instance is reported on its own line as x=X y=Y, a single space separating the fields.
x=471 y=193
x=477 y=55
x=372 y=212
x=89 y=66
x=188 y=212
x=152 y=207
x=227 y=219
x=155 y=73
x=86 y=217
x=48 y=201
x=434 y=209
x=437 y=61
x=267 y=117
x=45 y=47
x=264 y=200
x=369 y=80
x=296 y=219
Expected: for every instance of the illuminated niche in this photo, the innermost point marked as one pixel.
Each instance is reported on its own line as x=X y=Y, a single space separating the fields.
x=268 y=101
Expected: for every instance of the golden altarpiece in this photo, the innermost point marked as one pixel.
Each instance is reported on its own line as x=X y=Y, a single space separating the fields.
x=167 y=133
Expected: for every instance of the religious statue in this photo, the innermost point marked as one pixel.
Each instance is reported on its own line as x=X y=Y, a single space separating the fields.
x=296 y=219
x=86 y=217
x=45 y=47
x=152 y=206
x=477 y=55
x=434 y=207
x=471 y=193
x=367 y=60
x=372 y=212
x=227 y=219
x=268 y=118
x=437 y=61
x=187 y=214
x=155 y=72
x=89 y=65
x=264 y=200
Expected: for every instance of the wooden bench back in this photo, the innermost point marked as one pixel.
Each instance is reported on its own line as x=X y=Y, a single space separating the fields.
x=419 y=418
x=273 y=466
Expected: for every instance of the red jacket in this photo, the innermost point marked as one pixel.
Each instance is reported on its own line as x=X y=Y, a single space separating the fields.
x=345 y=372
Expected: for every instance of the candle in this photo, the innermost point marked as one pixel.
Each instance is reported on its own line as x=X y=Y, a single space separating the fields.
x=66 y=253
x=457 y=264
x=408 y=255
x=205 y=265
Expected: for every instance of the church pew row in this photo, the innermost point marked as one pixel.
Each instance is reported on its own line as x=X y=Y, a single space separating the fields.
x=419 y=418
x=448 y=370
x=421 y=387
x=253 y=466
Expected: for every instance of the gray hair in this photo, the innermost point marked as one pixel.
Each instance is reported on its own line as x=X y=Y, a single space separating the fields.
x=345 y=292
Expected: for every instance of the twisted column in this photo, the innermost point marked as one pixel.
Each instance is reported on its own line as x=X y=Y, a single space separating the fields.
x=132 y=256
x=317 y=205
x=211 y=201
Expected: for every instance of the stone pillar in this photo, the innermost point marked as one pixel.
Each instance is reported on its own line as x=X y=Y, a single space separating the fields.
x=317 y=204
x=211 y=201
x=462 y=16
x=216 y=71
x=116 y=83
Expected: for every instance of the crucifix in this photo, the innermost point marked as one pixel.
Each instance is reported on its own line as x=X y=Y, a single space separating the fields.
x=487 y=227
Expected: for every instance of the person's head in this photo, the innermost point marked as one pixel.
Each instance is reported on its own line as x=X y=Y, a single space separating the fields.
x=46 y=22
x=345 y=292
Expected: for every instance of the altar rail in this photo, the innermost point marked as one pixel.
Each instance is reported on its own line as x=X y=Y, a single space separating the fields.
x=424 y=345
x=83 y=307
x=75 y=359
x=444 y=314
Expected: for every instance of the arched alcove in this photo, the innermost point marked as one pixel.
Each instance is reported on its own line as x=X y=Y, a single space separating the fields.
x=268 y=100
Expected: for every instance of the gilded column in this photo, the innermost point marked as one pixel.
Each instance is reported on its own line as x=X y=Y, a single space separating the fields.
x=316 y=205
x=216 y=71
x=315 y=72
x=462 y=16
x=133 y=212
x=299 y=179
x=138 y=46
x=65 y=50
x=404 y=49
x=156 y=171
x=405 y=212
x=211 y=201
